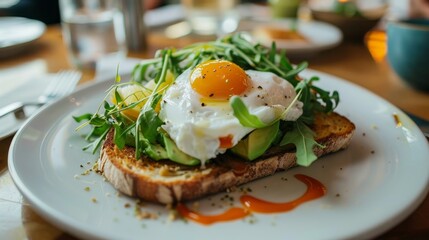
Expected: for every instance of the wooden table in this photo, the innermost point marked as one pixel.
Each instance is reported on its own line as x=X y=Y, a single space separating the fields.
x=351 y=60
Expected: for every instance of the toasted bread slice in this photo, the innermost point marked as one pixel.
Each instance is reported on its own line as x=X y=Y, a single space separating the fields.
x=167 y=182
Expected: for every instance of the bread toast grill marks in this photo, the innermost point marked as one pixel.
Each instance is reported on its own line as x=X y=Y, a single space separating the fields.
x=145 y=178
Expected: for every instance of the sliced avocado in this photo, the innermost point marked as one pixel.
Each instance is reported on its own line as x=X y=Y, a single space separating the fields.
x=176 y=155
x=156 y=152
x=257 y=142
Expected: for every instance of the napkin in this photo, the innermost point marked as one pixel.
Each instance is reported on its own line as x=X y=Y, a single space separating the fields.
x=105 y=68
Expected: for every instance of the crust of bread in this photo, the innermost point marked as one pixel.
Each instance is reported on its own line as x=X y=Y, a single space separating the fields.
x=166 y=182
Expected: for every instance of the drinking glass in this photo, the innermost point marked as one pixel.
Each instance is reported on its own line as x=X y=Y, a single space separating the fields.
x=92 y=29
x=212 y=17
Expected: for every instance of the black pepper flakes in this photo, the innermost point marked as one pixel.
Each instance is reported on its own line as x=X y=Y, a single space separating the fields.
x=203 y=104
x=260 y=87
x=211 y=95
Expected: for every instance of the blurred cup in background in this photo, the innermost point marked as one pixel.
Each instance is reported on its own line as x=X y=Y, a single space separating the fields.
x=408 y=51
x=212 y=17
x=284 y=8
x=92 y=29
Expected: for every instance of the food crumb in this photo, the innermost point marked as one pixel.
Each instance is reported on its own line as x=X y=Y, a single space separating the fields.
x=337 y=195
x=364 y=134
x=231 y=189
x=173 y=215
x=94 y=200
x=86 y=172
x=372 y=151
x=141 y=214
x=127 y=205
x=87 y=189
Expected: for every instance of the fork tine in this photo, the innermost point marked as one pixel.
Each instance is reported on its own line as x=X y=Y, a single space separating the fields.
x=72 y=82
x=53 y=85
x=64 y=84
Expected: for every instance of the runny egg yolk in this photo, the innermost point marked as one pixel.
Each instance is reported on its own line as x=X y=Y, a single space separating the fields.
x=219 y=79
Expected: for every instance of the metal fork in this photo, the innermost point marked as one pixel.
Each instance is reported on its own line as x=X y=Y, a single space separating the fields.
x=63 y=84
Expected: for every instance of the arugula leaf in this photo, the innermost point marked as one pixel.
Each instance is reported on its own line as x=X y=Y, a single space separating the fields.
x=298 y=69
x=243 y=115
x=86 y=116
x=148 y=123
x=118 y=136
x=97 y=142
x=303 y=138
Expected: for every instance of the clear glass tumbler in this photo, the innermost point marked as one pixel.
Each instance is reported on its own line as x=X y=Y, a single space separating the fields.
x=212 y=17
x=92 y=29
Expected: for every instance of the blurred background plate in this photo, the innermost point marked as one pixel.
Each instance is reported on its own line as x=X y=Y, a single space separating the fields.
x=17 y=34
x=296 y=36
x=353 y=18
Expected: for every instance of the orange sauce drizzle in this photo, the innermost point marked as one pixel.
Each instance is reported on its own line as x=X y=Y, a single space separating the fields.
x=226 y=142
x=229 y=215
x=315 y=189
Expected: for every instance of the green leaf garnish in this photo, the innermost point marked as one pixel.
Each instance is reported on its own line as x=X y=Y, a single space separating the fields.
x=243 y=115
x=303 y=138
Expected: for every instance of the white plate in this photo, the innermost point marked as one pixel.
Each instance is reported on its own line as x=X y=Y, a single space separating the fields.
x=319 y=35
x=372 y=186
x=17 y=33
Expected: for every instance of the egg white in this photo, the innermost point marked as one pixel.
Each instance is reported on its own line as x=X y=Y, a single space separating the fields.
x=196 y=126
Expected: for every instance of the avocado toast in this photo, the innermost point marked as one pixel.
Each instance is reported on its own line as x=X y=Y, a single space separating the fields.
x=210 y=116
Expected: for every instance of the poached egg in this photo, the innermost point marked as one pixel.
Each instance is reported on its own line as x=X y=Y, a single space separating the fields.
x=196 y=110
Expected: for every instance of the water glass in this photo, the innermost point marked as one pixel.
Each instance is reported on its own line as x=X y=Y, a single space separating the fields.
x=92 y=29
x=212 y=17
